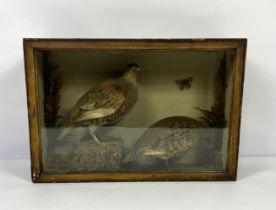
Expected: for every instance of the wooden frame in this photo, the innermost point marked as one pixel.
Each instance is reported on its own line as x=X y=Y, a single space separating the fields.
x=31 y=45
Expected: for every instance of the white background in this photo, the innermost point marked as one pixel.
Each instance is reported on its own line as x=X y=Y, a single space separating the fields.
x=251 y=19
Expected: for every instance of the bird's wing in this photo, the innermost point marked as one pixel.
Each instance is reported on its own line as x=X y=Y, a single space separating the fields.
x=154 y=152
x=101 y=102
x=88 y=106
x=98 y=113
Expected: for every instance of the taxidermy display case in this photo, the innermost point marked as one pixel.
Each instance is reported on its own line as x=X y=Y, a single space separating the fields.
x=134 y=110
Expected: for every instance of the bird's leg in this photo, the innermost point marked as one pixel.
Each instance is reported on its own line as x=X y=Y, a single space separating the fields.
x=104 y=138
x=169 y=167
x=167 y=164
x=101 y=133
x=92 y=130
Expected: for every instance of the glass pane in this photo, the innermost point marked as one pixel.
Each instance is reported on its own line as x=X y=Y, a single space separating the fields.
x=134 y=110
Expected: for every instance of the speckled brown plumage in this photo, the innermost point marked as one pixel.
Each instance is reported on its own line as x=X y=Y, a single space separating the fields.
x=106 y=96
x=167 y=138
x=105 y=104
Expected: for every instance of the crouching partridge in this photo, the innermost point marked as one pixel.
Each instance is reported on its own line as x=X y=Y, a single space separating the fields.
x=167 y=138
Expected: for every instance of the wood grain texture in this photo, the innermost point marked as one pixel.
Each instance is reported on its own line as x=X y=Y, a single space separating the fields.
x=234 y=133
x=32 y=101
x=31 y=45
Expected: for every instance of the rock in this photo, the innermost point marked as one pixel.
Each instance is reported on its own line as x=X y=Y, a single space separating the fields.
x=91 y=156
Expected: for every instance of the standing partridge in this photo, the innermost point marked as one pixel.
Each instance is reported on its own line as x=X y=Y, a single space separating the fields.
x=105 y=104
x=167 y=138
